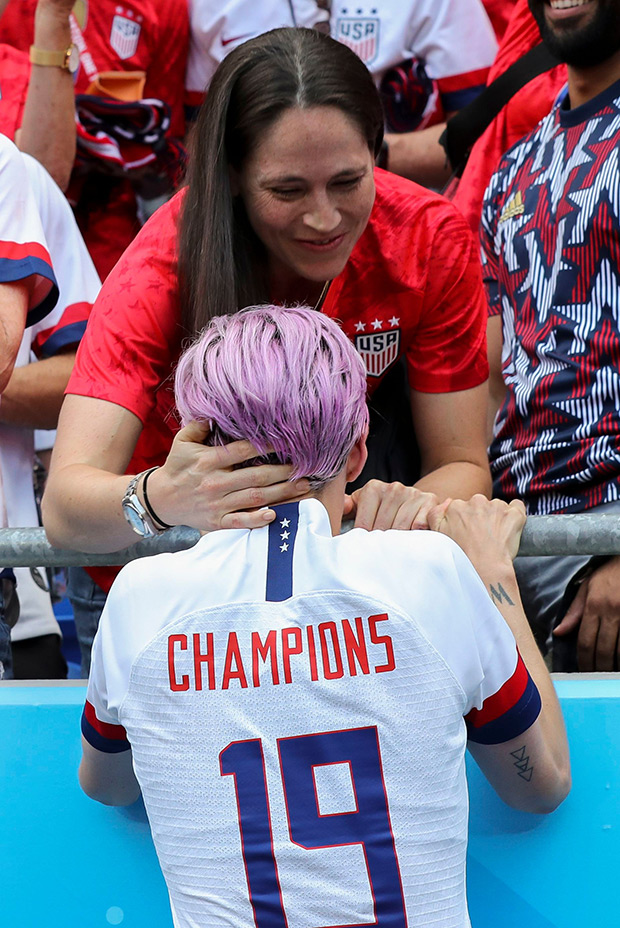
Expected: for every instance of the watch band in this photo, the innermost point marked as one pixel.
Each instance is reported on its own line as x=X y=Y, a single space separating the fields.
x=135 y=513
x=67 y=59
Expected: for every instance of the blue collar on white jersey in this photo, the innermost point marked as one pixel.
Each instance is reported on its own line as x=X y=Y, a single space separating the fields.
x=282 y=535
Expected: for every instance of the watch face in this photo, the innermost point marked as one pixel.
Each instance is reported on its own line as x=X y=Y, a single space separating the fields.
x=73 y=59
x=135 y=520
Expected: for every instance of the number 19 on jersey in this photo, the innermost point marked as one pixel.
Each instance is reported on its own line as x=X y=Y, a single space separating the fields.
x=368 y=824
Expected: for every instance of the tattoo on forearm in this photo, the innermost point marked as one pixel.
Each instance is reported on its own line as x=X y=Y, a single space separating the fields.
x=500 y=595
x=522 y=763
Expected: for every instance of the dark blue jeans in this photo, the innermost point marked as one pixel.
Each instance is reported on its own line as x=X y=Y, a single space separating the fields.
x=87 y=601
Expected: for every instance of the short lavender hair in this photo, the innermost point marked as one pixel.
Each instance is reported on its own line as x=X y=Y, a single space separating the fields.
x=286 y=379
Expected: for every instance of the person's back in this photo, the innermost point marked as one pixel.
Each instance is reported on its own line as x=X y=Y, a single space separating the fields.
x=297 y=703
x=284 y=679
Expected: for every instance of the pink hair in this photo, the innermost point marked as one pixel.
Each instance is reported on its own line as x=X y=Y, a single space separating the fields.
x=286 y=379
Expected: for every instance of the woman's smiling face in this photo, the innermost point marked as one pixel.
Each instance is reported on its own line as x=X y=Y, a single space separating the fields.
x=308 y=189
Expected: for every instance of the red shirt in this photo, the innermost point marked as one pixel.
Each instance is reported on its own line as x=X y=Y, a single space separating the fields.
x=518 y=117
x=499 y=12
x=14 y=78
x=412 y=286
x=133 y=35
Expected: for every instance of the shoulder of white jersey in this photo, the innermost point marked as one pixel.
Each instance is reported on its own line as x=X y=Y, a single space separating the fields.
x=217 y=28
x=77 y=278
x=24 y=254
x=428 y=578
x=452 y=37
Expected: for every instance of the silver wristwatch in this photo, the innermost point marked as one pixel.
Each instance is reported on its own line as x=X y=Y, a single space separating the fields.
x=135 y=513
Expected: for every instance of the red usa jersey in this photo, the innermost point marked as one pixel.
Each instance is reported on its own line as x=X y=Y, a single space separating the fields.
x=23 y=249
x=151 y=36
x=452 y=40
x=298 y=707
x=133 y=35
x=412 y=287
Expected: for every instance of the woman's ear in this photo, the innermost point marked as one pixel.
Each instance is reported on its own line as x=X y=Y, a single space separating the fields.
x=357 y=458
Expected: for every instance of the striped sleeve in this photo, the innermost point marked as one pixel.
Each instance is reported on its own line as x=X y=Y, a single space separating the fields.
x=459 y=90
x=24 y=254
x=109 y=737
x=77 y=278
x=64 y=333
x=508 y=712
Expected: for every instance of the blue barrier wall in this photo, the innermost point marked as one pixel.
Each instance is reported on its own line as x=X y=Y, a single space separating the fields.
x=67 y=862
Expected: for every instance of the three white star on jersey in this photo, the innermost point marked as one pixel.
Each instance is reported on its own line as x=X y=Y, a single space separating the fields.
x=284 y=524
x=377 y=324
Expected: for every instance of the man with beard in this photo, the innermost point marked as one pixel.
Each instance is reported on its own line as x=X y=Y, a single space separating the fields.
x=551 y=248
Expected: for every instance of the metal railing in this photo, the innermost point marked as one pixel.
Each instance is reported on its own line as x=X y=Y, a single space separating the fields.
x=584 y=533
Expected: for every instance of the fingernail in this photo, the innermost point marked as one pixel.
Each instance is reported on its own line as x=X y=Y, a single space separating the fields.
x=268 y=515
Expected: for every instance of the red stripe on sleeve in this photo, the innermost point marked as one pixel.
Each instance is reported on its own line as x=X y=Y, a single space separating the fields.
x=75 y=312
x=463 y=81
x=506 y=697
x=12 y=251
x=115 y=732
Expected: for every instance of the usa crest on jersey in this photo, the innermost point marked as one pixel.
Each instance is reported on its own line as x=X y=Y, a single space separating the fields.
x=378 y=350
x=124 y=36
x=361 y=35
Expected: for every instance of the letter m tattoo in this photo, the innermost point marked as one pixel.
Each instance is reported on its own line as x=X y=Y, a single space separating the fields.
x=500 y=595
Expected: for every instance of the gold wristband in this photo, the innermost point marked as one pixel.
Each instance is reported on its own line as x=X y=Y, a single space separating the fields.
x=67 y=60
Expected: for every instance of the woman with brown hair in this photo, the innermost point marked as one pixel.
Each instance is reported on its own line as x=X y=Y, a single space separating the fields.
x=282 y=205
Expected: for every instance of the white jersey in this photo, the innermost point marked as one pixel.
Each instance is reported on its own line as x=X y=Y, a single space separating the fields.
x=23 y=249
x=78 y=285
x=453 y=39
x=298 y=707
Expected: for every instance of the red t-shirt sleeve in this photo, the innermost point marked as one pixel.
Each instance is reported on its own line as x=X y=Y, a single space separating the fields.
x=133 y=334
x=448 y=352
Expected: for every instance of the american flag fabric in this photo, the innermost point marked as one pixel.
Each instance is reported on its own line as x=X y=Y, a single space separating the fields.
x=551 y=253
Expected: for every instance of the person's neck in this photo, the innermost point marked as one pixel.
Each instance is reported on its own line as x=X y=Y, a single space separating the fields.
x=332 y=497
x=586 y=83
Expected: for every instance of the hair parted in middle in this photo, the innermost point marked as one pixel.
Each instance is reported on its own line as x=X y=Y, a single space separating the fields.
x=222 y=263
x=286 y=379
